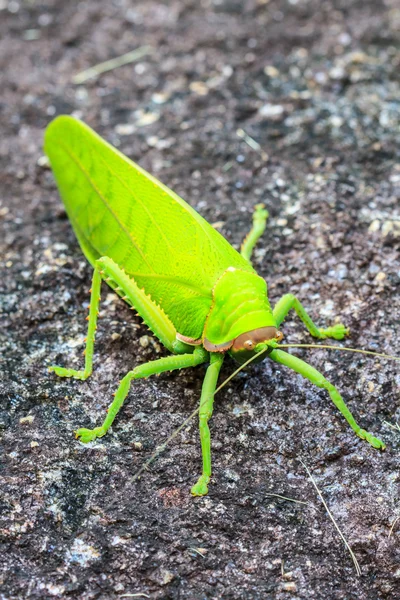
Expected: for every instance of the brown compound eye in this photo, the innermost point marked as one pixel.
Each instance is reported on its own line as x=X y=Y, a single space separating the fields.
x=249 y=344
x=279 y=336
x=250 y=339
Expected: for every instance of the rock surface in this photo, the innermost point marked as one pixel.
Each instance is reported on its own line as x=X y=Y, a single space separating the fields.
x=293 y=103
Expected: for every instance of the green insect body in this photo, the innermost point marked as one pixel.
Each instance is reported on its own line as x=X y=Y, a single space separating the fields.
x=197 y=294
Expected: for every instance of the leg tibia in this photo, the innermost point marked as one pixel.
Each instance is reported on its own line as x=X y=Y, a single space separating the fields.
x=289 y=301
x=260 y=217
x=91 y=332
x=151 y=313
x=205 y=413
x=307 y=371
x=169 y=363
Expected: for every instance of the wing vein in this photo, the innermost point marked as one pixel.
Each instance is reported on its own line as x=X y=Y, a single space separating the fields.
x=109 y=208
x=142 y=204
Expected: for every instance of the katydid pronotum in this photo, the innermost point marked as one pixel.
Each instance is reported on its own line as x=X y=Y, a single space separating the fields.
x=199 y=296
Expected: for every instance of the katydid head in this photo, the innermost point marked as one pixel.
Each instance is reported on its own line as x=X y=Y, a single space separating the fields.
x=257 y=341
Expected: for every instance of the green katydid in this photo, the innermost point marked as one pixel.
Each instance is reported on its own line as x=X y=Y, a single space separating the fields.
x=196 y=293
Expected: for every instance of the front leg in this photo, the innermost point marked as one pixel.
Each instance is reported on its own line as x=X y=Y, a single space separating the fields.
x=155 y=367
x=307 y=371
x=289 y=301
x=205 y=413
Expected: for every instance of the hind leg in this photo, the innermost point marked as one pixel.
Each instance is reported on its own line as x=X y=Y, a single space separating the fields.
x=260 y=217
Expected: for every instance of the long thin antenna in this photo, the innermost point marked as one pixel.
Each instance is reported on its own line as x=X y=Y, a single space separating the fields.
x=344 y=348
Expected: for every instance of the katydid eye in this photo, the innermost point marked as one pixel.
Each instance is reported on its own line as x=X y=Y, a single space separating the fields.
x=249 y=345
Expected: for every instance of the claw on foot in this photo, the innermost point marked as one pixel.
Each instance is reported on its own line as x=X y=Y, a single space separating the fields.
x=201 y=488
x=62 y=372
x=337 y=332
x=374 y=441
x=89 y=435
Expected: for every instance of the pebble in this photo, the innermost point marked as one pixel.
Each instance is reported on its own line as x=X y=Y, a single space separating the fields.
x=160 y=97
x=43 y=162
x=144 y=341
x=380 y=277
x=162 y=576
x=271 y=71
x=125 y=129
x=199 y=88
x=273 y=112
x=28 y=419
x=82 y=553
x=374 y=226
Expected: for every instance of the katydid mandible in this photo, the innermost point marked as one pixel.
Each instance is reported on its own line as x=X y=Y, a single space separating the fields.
x=199 y=296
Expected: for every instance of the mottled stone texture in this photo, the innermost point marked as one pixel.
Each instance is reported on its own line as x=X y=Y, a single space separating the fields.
x=316 y=84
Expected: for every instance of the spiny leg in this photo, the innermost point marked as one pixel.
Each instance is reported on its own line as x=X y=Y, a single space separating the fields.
x=152 y=314
x=307 y=371
x=169 y=363
x=260 y=217
x=205 y=413
x=91 y=332
x=289 y=301
x=125 y=286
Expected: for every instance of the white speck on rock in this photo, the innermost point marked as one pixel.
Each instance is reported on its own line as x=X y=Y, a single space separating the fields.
x=327 y=310
x=117 y=540
x=271 y=111
x=82 y=553
x=125 y=129
x=53 y=590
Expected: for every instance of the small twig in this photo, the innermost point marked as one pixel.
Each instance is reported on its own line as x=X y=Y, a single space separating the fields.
x=396 y=426
x=227 y=166
x=113 y=63
x=289 y=499
x=252 y=143
x=353 y=556
x=200 y=551
x=393 y=525
x=139 y=595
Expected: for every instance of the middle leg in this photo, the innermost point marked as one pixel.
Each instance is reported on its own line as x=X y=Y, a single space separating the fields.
x=161 y=365
x=205 y=413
